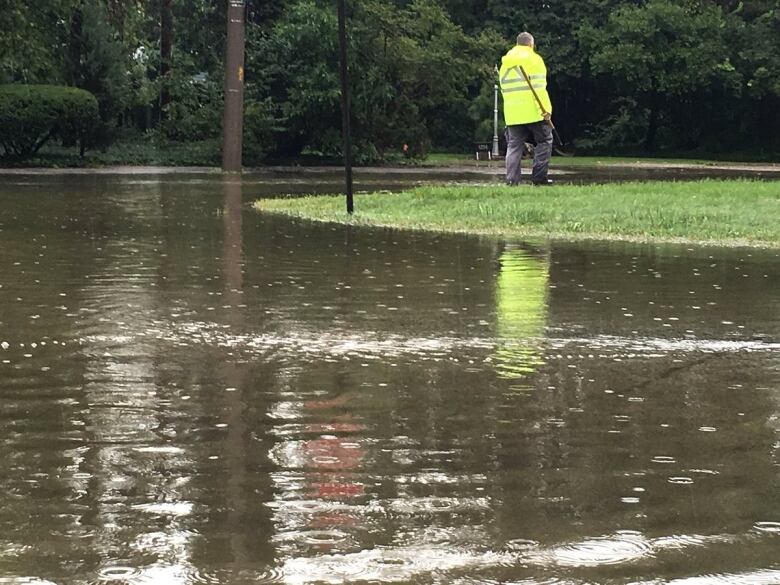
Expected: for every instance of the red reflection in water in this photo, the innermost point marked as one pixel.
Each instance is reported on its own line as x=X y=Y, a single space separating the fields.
x=334 y=461
x=334 y=427
x=333 y=453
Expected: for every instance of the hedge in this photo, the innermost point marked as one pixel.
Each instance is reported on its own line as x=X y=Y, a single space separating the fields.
x=30 y=115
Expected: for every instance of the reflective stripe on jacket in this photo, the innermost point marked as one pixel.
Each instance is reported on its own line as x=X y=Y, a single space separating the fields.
x=520 y=106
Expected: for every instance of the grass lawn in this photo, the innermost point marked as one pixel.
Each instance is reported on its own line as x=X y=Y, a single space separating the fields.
x=732 y=212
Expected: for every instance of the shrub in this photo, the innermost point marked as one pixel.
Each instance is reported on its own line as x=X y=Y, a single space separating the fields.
x=30 y=115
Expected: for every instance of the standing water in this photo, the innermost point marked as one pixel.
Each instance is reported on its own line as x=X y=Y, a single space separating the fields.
x=193 y=392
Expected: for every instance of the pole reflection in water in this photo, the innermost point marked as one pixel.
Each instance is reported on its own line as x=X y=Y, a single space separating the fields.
x=234 y=375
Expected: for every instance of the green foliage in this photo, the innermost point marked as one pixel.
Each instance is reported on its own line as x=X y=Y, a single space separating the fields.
x=31 y=38
x=661 y=47
x=623 y=74
x=199 y=30
x=657 y=54
x=296 y=62
x=260 y=129
x=195 y=110
x=97 y=62
x=30 y=115
x=413 y=74
x=758 y=51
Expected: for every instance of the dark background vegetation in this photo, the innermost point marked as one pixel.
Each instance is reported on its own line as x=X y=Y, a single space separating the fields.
x=626 y=76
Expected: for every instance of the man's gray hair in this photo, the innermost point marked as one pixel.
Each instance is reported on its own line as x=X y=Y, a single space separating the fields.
x=526 y=39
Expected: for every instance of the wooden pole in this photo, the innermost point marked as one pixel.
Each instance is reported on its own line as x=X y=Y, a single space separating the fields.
x=233 y=121
x=545 y=113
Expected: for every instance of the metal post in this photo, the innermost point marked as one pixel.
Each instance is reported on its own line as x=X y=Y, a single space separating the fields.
x=345 y=105
x=233 y=122
x=495 y=120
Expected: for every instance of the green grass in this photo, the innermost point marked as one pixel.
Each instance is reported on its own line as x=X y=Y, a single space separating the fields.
x=736 y=212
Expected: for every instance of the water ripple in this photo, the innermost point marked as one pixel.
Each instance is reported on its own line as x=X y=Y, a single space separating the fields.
x=647 y=345
x=117 y=573
x=760 y=577
x=373 y=346
x=433 y=505
x=768 y=527
x=684 y=541
x=315 y=537
x=385 y=564
x=521 y=545
x=663 y=459
x=166 y=508
x=24 y=581
x=619 y=548
x=680 y=480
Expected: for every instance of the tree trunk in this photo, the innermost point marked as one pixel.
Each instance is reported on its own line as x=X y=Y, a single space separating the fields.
x=37 y=146
x=166 y=50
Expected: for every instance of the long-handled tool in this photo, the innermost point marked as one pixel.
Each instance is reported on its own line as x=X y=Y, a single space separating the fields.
x=547 y=116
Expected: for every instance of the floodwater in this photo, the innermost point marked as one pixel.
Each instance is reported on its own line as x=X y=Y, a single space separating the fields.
x=192 y=392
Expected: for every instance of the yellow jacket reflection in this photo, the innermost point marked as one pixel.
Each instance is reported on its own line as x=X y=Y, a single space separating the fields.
x=521 y=312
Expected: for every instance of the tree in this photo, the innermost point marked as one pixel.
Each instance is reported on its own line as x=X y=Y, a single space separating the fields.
x=657 y=54
x=98 y=62
x=414 y=73
x=754 y=38
x=31 y=35
x=294 y=62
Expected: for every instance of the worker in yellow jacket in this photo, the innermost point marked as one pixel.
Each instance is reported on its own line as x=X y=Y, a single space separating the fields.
x=527 y=109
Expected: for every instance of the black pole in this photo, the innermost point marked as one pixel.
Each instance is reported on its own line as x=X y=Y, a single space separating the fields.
x=345 y=106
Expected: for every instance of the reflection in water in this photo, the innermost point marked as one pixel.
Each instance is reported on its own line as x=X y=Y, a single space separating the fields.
x=317 y=505
x=195 y=393
x=521 y=311
x=127 y=467
x=234 y=373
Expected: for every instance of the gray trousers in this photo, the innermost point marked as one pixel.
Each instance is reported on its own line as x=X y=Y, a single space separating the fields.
x=515 y=143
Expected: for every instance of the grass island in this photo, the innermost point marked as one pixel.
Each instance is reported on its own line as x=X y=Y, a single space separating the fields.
x=720 y=212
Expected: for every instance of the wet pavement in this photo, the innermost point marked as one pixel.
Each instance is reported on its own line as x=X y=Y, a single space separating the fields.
x=193 y=392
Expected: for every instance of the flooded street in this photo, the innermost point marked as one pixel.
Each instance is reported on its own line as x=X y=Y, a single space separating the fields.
x=193 y=392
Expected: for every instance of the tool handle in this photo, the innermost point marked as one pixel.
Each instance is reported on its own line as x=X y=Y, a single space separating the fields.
x=536 y=96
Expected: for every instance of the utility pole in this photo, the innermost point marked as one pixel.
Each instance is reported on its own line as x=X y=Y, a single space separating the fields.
x=233 y=121
x=345 y=105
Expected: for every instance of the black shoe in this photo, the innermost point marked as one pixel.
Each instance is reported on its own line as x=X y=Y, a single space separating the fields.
x=543 y=183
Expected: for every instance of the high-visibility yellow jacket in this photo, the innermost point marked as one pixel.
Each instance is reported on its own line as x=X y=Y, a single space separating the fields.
x=520 y=106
